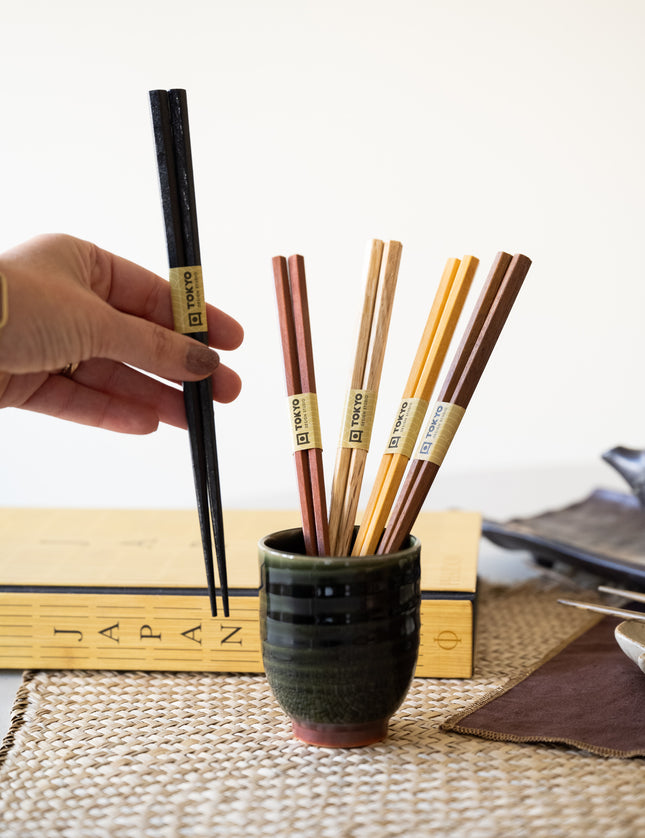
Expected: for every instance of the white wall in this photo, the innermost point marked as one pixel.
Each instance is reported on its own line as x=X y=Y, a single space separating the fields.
x=456 y=127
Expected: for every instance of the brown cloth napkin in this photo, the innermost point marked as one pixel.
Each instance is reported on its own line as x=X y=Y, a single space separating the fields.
x=588 y=695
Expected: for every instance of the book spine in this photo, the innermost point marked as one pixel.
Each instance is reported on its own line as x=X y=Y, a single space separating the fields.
x=177 y=633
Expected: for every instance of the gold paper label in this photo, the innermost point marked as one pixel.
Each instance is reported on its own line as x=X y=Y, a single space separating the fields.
x=188 y=304
x=406 y=427
x=360 y=407
x=440 y=430
x=305 y=423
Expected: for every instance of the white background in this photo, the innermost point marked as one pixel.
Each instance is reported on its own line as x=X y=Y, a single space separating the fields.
x=455 y=127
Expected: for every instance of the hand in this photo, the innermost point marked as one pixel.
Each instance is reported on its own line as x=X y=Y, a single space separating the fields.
x=71 y=302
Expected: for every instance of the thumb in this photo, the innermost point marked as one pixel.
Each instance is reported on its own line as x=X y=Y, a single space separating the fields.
x=156 y=349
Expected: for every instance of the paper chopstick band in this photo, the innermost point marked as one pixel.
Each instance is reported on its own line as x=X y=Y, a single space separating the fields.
x=305 y=422
x=439 y=432
x=406 y=427
x=188 y=303
x=360 y=406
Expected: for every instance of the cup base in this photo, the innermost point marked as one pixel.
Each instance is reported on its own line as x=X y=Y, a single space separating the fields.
x=340 y=735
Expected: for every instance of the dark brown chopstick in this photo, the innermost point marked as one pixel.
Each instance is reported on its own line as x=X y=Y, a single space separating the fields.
x=174 y=160
x=295 y=334
x=488 y=320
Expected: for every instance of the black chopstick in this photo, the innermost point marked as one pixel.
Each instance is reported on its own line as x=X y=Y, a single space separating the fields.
x=174 y=162
x=188 y=208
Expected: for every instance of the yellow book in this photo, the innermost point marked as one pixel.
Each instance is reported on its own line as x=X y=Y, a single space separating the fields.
x=125 y=589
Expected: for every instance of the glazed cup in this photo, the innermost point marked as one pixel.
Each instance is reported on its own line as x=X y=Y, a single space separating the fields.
x=340 y=637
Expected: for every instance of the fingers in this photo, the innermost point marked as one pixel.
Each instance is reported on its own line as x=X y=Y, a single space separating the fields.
x=133 y=388
x=106 y=394
x=224 y=332
x=135 y=290
x=150 y=347
x=79 y=303
x=167 y=354
x=130 y=384
x=226 y=384
x=66 y=399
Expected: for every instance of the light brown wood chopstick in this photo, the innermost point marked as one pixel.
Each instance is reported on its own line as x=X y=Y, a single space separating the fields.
x=390 y=263
x=482 y=333
x=357 y=381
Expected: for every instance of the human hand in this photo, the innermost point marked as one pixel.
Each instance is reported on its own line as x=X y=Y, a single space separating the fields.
x=70 y=302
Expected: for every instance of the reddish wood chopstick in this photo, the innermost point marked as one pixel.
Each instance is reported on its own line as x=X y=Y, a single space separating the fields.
x=295 y=333
x=308 y=384
x=488 y=320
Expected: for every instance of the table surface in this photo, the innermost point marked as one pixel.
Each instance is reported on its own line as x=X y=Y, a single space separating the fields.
x=495 y=565
x=499 y=495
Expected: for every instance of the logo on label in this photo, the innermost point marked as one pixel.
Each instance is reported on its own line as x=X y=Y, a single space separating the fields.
x=438 y=435
x=426 y=445
x=358 y=418
x=187 y=292
x=296 y=416
x=304 y=421
x=192 y=299
x=355 y=434
x=400 y=418
x=406 y=426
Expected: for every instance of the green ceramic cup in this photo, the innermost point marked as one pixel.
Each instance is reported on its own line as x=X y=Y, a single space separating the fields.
x=340 y=637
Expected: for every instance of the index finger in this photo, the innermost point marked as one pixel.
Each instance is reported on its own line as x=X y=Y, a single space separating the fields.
x=135 y=290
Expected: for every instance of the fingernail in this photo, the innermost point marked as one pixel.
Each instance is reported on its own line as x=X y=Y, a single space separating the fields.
x=201 y=360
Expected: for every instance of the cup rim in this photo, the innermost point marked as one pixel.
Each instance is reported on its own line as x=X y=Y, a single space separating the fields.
x=330 y=561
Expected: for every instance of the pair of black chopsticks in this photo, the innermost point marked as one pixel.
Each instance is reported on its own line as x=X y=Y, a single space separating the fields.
x=174 y=161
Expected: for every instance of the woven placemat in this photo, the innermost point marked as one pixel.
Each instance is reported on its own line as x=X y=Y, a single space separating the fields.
x=154 y=754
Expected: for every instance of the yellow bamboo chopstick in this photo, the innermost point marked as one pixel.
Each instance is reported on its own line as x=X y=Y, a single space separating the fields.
x=440 y=327
x=438 y=305
x=372 y=370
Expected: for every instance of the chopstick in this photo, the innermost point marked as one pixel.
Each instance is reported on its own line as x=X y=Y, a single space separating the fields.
x=423 y=350
x=308 y=384
x=437 y=335
x=637 y=596
x=174 y=161
x=600 y=608
x=356 y=384
x=380 y=287
x=488 y=320
x=295 y=333
x=624 y=613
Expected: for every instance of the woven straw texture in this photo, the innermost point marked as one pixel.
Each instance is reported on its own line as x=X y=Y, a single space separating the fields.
x=138 y=754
